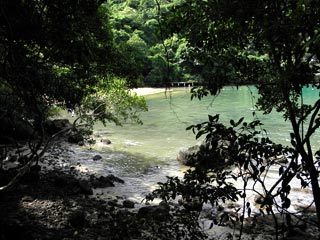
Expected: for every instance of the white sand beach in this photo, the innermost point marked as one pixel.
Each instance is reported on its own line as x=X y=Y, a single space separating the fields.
x=148 y=90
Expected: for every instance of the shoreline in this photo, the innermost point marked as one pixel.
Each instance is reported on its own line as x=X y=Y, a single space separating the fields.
x=143 y=91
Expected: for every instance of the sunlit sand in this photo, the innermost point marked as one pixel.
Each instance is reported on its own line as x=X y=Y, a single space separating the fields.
x=148 y=91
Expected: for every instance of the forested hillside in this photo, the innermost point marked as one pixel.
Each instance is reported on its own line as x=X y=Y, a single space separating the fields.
x=148 y=56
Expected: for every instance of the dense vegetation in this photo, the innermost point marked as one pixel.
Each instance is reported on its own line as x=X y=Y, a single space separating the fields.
x=85 y=55
x=58 y=55
x=149 y=57
x=275 y=45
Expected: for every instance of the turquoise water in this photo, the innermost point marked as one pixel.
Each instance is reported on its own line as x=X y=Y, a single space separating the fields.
x=163 y=133
x=144 y=155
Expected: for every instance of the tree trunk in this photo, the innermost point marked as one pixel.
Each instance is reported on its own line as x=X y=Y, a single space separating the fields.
x=315 y=185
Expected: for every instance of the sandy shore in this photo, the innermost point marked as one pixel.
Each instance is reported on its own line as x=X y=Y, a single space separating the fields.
x=147 y=90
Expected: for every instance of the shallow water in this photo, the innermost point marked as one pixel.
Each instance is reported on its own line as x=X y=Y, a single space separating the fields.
x=144 y=155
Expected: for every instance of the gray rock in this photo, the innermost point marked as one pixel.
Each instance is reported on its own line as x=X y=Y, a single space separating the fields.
x=97 y=157
x=85 y=188
x=188 y=156
x=75 y=138
x=57 y=125
x=77 y=218
x=114 y=203
x=27 y=199
x=101 y=182
x=105 y=141
x=128 y=204
x=160 y=213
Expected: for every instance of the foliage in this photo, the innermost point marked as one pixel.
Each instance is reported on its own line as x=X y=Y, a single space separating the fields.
x=57 y=54
x=112 y=101
x=50 y=53
x=273 y=45
x=238 y=152
x=138 y=38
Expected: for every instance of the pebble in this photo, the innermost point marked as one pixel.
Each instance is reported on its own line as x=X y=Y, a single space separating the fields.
x=96 y=157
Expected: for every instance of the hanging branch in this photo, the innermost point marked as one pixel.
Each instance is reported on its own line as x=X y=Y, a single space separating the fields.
x=166 y=52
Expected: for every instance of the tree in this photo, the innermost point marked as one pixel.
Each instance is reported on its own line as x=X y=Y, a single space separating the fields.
x=55 y=53
x=137 y=35
x=271 y=44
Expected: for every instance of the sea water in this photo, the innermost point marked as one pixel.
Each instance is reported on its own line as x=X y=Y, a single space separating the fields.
x=144 y=155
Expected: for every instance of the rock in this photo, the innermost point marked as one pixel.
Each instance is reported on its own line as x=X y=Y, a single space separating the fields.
x=115 y=179
x=31 y=177
x=60 y=181
x=57 y=125
x=16 y=130
x=105 y=141
x=209 y=155
x=96 y=157
x=160 y=213
x=85 y=188
x=75 y=138
x=145 y=211
x=101 y=182
x=77 y=218
x=128 y=204
x=27 y=199
x=305 y=208
x=191 y=204
x=188 y=156
x=114 y=203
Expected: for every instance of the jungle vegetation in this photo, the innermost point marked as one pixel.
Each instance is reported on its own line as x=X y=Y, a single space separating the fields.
x=84 y=55
x=275 y=45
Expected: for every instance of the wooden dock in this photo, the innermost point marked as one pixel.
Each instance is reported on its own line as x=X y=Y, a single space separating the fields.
x=184 y=84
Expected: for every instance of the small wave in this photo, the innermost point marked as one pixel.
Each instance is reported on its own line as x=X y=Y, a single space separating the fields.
x=129 y=143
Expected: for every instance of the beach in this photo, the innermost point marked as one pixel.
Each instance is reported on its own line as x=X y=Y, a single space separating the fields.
x=148 y=90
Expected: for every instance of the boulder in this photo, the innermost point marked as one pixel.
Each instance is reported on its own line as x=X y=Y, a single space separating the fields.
x=115 y=179
x=105 y=141
x=85 y=188
x=33 y=176
x=75 y=138
x=56 y=125
x=60 y=181
x=77 y=218
x=128 y=204
x=160 y=213
x=191 y=204
x=96 y=157
x=103 y=182
x=188 y=156
x=16 y=129
x=209 y=155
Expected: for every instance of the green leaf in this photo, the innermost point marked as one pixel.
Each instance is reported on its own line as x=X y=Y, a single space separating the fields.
x=240 y=121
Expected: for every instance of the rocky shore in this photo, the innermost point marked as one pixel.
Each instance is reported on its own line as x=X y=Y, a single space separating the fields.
x=57 y=202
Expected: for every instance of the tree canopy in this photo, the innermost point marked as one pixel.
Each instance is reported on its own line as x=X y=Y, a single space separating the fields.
x=54 y=53
x=272 y=44
x=57 y=55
